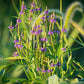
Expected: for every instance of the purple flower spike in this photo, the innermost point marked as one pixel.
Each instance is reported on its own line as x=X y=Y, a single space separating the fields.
x=38 y=26
x=50 y=32
x=39 y=9
x=15 y=54
x=52 y=65
x=52 y=20
x=19 y=21
x=30 y=18
x=32 y=4
x=20 y=46
x=44 y=39
x=16 y=41
x=21 y=12
x=38 y=69
x=35 y=9
x=51 y=71
x=58 y=64
x=43 y=18
x=32 y=31
x=23 y=8
x=38 y=32
x=11 y=27
x=64 y=30
x=48 y=71
x=64 y=49
x=16 y=45
x=43 y=49
x=43 y=71
x=31 y=11
x=16 y=25
x=35 y=27
x=46 y=12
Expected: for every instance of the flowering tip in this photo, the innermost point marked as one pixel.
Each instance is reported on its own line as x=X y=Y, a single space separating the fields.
x=23 y=8
x=18 y=20
x=50 y=32
x=43 y=18
x=38 y=69
x=11 y=27
x=39 y=9
x=43 y=71
x=31 y=11
x=35 y=27
x=44 y=39
x=64 y=30
x=30 y=18
x=64 y=49
x=16 y=41
x=32 y=31
x=52 y=20
x=46 y=12
x=32 y=4
x=38 y=32
x=58 y=64
x=15 y=54
x=43 y=49
x=21 y=12
x=16 y=25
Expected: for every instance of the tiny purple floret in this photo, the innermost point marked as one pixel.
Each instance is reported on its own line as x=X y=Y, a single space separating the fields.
x=50 y=32
x=18 y=20
x=15 y=54
x=58 y=64
x=64 y=30
x=32 y=4
x=23 y=8
x=64 y=49
x=44 y=39
x=46 y=12
x=43 y=71
x=21 y=12
x=16 y=41
x=32 y=31
x=11 y=27
x=43 y=49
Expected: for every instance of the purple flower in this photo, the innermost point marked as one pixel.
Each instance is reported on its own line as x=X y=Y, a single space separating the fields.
x=38 y=32
x=30 y=18
x=39 y=9
x=51 y=71
x=52 y=65
x=48 y=71
x=22 y=35
x=52 y=15
x=20 y=46
x=23 y=8
x=64 y=49
x=58 y=32
x=11 y=27
x=15 y=54
x=35 y=27
x=50 y=32
x=32 y=4
x=19 y=21
x=43 y=49
x=16 y=25
x=46 y=16
x=16 y=41
x=43 y=18
x=46 y=12
x=38 y=26
x=35 y=9
x=55 y=31
x=52 y=20
x=58 y=64
x=38 y=69
x=32 y=31
x=31 y=11
x=21 y=12
x=44 y=39
x=43 y=71
x=16 y=45
x=64 y=30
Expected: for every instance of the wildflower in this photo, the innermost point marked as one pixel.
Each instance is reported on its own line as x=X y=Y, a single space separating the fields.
x=58 y=32
x=43 y=71
x=23 y=8
x=46 y=12
x=58 y=64
x=16 y=45
x=43 y=18
x=15 y=41
x=15 y=54
x=50 y=32
x=19 y=21
x=38 y=32
x=21 y=12
x=44 y=39
x=20 y=46
x=46 y=16
x=39 y=9
x=31 y=11
x=43 y=49
x=55 y=31
x=48 y=71
x=11 y=27
x=38 y=26
x=35 y=9
x=22 y=35
x=30 y=18
x=52 y=20
x=38 y=69
x=32 y=31
x=16 y=25
x=32 y=4
x=52 y=65
x=51 y=71
x=64 y=30
x=64 y=49
x=35 y=27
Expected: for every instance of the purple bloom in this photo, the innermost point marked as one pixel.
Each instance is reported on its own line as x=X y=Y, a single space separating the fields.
x=38 y=69
x=16 y=25
x=32 y=4
x=11 y=27
x=35 y=27
x=46 y=12
x=43 y=49
x=44 y=39
x=15 y=54
x=46 y=16
x=16 y=41
x=58 y=32
x=16 y=45
x=64 y=30
x=58 y=64
x=31 y=11
x=52 y=65
x=43 y=18
x=35 y=9
x=38 y=26
x=55 y=31
x=21 y=12
x=48 y=71
x=52 y=20
x=43 y=71
x=50 y=32
x=51 y=71
x=64 y=49
x=39 y=9
x=19 y=21
x=30 y=18
x=22 y=35
x=20 y=46
x=23 y=8
x=38 y=32
x=52 y=15
x=32 y=31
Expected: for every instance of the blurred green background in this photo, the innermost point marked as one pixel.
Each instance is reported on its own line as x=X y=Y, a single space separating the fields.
x=7 y=11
